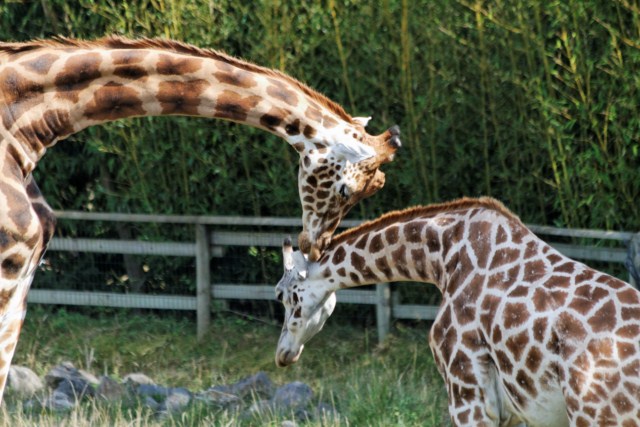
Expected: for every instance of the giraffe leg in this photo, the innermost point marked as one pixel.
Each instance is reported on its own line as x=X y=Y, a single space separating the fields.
x=605 y=391
x=475 y=397
x=11 y=323
x=26 y=226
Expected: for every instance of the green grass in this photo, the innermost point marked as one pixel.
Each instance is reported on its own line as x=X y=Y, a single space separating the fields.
x=393 y=384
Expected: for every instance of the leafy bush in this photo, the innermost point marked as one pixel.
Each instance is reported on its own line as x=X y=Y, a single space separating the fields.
x=532 y=102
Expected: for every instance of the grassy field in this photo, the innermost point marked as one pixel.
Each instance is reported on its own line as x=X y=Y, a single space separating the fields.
x=370 y=385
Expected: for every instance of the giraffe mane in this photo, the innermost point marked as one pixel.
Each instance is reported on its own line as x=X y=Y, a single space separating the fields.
x=119 y=42
x=421 y=212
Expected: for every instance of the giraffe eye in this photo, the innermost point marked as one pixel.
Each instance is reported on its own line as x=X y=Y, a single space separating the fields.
x=344 y=191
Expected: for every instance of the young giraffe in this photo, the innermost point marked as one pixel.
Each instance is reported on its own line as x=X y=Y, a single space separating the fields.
x=52 y=89
x=524 y=334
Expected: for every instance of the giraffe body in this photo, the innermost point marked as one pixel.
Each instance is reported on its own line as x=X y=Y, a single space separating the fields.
x=524 y=334
x=52 y=89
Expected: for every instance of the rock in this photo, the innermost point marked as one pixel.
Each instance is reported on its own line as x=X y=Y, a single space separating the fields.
x=66 y=379
x=292 y=396
x=58 y=401
x=23 y=381
x=219 y=398
x=167 y=399
x=58 y=373
x=75 y=388
x=258 y=384
x=89 y=377
x=158 y=392
x=151 y=403
x=262 y=399
x=177 y=400
x=66 y=370
x=137 y=378
x=110 y=390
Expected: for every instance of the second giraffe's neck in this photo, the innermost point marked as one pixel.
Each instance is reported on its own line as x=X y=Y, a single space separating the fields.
x=440 y=244
x=51 y=90
x=401 y=251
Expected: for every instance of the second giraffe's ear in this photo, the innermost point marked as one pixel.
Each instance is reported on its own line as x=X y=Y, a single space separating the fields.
x=362 y=121
x=287 y=254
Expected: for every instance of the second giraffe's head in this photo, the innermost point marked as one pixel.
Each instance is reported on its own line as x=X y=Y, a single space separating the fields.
x=335 y=175
x=308 y=300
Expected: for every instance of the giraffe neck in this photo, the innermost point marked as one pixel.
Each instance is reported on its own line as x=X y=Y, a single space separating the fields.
x=385 y=255
x=51 y=90
x=440 y=244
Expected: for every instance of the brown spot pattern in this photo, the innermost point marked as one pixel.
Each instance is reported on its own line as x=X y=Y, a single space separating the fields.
x=130 y=72
x=234 y=76
x=41 y=64
x=78 y=73
x=604 y=319
x=391 y=234
x=114 y=101
x=177 y=65
x=413 y=231
x=479 y=239
x=383 y=265
x=339 y=255
x=514 y=315
x=282 y=92
x=273 y=118
x=127 y=57
x=309 y=131
x=20 y=94
x=12 y=266
x=232 y=106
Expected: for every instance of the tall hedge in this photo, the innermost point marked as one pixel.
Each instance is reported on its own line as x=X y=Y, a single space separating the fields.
x=533 y=102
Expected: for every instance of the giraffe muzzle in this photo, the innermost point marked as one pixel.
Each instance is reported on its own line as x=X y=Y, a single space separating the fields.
x=286 y=357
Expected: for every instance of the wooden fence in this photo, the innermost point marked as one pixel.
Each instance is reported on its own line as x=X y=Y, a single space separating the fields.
x=211 y=238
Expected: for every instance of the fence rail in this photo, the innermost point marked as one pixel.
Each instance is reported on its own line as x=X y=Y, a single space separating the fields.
x=210 y=242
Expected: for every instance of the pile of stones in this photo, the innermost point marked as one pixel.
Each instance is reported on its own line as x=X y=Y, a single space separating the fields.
x=64 y=387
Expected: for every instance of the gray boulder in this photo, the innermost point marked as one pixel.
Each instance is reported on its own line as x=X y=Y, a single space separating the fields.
x=218 y=398
x=72 y=382
x=137 y=378
x=177 y=400
x=293 y=396
x=110 y=390
x=23 y=381
x=259 y=385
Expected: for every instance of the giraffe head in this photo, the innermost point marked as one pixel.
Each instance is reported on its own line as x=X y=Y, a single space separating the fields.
x=308 y=303
x=334 y=177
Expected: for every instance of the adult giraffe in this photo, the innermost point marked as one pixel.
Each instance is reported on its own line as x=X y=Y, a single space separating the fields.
x=50 y=89
x=524 y=334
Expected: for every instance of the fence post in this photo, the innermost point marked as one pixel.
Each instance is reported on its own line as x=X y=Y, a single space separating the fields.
x=633 y=261
x=203 y=280
x=383 y=310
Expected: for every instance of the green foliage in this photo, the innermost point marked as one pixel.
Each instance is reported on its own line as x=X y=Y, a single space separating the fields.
x=533 y=102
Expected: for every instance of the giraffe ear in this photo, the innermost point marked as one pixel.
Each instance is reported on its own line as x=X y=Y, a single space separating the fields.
x=362 y=121
x=354 y=151
x=287 y=254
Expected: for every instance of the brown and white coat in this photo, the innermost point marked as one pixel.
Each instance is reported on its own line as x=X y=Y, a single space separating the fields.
x=524 y=334
x=52 y=89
